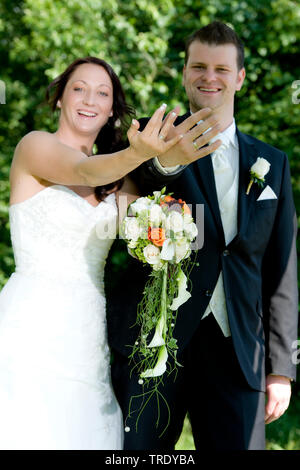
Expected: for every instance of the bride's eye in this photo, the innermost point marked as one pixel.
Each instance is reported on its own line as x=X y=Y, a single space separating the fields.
x=103 y=93
x=78 y=89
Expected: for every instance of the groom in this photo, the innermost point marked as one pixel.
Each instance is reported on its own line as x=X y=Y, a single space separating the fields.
x=235 y=334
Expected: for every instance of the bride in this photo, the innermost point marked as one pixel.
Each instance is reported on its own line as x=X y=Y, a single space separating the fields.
x=55 y=389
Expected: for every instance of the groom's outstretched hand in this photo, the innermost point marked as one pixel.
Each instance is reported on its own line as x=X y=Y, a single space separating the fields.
x=278 y=392
x=193 y=144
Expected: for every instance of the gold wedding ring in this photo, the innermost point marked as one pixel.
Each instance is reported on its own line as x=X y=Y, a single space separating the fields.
x=195 y=145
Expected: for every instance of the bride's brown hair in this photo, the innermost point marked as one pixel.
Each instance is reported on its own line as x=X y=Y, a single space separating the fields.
x=111 y=137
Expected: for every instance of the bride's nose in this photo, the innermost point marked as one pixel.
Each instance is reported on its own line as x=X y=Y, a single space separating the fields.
x=89 y=98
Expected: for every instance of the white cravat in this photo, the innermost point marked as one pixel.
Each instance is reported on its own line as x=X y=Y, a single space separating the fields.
x=225 y=164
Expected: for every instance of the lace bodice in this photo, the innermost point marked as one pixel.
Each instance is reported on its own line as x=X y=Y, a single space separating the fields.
x=59 y=235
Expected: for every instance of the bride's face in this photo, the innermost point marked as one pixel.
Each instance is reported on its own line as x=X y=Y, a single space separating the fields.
x=87 y=101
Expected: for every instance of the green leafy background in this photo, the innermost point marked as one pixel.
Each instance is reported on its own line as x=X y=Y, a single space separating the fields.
x=143 y=41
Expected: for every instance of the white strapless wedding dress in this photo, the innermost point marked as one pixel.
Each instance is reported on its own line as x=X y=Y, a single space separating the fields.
x=55 y=387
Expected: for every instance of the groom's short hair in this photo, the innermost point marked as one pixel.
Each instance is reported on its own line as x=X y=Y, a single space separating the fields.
x=217 y=33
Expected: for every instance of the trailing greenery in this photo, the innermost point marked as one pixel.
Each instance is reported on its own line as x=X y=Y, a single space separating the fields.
x=143 y=41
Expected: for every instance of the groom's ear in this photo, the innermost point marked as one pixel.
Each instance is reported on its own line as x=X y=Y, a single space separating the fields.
x=240 y=79
x=58 y=104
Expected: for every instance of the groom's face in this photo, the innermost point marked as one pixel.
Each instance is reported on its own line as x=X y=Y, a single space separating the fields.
x=211 y=76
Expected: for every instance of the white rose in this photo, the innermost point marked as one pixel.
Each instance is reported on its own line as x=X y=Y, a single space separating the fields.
x=140 y=205
x=182 y=250
x=260 y=167
x=156 y=216
x=187 y=218
x=132 y=228
x=152 y=254
x=174 y=222
x=191 y=230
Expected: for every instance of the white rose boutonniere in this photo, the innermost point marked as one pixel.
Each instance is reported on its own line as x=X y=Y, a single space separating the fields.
x=258 y=172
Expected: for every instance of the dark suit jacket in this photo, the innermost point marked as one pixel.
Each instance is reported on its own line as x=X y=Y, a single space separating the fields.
x=258 y=265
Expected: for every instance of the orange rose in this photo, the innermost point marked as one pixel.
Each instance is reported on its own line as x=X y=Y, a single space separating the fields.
x=171 y=201
x=168 y=199
x=186 y=209
x=156 y=235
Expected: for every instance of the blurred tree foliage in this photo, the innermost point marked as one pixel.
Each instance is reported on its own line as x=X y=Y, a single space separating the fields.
x=144 y=41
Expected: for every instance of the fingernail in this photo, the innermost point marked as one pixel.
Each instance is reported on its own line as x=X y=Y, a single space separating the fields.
x=173 y=114
x=134 y=122
x=163 y=106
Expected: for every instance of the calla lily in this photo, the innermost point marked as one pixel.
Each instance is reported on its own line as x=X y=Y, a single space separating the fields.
x=168 y=250
x=160 y=367
x=183 y=294
x=158 y=339
x=182 y=250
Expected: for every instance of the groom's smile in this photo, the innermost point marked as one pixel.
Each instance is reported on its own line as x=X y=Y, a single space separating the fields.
x=208 y=91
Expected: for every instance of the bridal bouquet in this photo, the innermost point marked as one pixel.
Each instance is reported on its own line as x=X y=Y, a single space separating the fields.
x=159 y=231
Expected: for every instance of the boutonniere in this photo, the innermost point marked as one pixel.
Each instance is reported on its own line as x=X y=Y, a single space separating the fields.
x=258 y=172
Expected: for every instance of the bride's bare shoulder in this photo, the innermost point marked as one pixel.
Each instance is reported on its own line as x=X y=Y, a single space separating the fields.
x=33 y=139
x=31 y=146
x=23 y=183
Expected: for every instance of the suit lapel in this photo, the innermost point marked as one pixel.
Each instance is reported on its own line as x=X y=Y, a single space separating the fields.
x=247 y=157
x=205 y=175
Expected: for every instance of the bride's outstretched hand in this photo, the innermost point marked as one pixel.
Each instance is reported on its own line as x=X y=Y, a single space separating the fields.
x=150 y=142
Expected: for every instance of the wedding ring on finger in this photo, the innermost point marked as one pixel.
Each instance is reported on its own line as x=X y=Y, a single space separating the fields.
x=195 y=145
x=162 y=137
